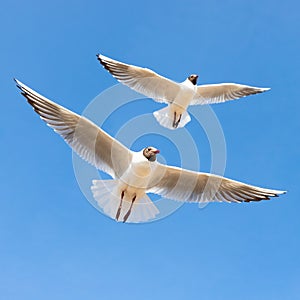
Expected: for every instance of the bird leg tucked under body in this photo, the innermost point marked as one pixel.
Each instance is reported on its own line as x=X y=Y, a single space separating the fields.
x=120 y=206
x=176 y=123
x=129 y=211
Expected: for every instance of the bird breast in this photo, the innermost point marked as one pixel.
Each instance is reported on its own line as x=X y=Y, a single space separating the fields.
x=141 y=168
x=138 y=174
x=185 y=96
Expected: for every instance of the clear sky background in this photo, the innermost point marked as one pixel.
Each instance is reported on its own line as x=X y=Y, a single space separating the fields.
x=55 y=245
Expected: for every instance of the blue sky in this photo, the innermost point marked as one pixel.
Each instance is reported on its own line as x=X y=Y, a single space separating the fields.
x=55 y=245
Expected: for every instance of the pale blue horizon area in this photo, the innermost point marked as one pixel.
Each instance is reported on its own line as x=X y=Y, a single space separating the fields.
x=55 y=245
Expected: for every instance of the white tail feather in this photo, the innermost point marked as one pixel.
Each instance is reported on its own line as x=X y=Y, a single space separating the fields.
x=106 y=194
x=165 y=119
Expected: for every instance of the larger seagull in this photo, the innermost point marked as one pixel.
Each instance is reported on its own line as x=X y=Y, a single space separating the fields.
x=124 y=198
x=178 y=96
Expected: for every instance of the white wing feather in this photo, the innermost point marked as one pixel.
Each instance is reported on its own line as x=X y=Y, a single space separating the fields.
x=184 y=185
x=142 y=80
x=217 y=93
x=84 y=137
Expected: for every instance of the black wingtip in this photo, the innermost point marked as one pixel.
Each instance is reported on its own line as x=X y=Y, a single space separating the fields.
x=98 y=57
x=26 y=96
x=103 y=63
x=16 y=81
x=17 y=84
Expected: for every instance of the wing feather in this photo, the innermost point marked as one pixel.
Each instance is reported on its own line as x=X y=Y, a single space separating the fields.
x=217 y=93
x=84 y=137
x=142 y=80
x=188 y=186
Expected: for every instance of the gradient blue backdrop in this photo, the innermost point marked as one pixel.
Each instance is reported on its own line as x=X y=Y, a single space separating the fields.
x=55 y=245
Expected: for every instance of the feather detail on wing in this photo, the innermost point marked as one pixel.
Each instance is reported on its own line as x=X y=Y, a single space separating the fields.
x=142 y=80
x=217 y=93
x=188 y=186
x=84 y=137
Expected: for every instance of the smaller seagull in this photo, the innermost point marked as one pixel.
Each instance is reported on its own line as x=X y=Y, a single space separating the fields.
x=178 y=96
x=124 y=198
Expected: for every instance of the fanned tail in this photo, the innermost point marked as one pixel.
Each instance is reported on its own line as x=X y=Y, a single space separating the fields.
x=106 y=194
x=166 y=119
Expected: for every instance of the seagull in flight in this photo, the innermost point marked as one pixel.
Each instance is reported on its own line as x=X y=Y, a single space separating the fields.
x=134 y=174
x=178 y=96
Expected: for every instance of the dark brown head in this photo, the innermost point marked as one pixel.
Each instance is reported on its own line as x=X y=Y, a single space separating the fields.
x=193 y=79
x=150 y=153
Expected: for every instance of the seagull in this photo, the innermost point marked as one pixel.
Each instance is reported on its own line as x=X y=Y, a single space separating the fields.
x=178 y=96
x=134 y=174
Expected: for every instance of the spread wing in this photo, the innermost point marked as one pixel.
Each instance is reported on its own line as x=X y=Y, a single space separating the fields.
x=84 y=137
x=216 y=93
x=188 y=186
x=142 y=80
